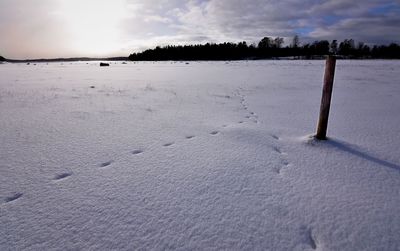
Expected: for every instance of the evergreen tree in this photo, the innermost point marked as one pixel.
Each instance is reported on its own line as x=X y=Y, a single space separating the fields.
x=347 y=47
x=266 y=42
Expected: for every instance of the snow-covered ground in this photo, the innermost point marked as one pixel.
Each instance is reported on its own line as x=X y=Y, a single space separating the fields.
x=205 y=155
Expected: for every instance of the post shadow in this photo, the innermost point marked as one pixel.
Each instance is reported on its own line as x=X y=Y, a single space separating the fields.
x=346 y=147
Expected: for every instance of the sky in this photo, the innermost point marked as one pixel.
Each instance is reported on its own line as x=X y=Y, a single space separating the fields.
x=102 y=28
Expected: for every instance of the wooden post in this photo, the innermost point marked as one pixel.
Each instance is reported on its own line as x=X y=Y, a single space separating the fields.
x=326 y=97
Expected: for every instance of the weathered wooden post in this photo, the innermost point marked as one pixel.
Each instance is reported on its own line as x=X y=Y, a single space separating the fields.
x=326 y=97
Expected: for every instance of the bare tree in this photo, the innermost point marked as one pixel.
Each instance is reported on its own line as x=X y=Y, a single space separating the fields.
x=295 y=42
x=278 y=42
x=334 y=47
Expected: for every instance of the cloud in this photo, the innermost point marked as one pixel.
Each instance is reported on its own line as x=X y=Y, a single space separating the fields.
x=372 y=30
x=52 y=28
x=373 y=22
x=237 y=20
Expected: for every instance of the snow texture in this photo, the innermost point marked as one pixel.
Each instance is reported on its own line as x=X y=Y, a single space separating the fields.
x=206 y=155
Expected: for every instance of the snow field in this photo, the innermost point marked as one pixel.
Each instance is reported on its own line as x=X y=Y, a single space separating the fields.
x=209 y=155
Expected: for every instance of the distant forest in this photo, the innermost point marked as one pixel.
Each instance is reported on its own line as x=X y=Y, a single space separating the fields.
x=269 y=48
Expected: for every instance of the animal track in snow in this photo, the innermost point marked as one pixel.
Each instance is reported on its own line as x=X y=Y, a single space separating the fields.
x=169 y=144
x=285 y=162
x=240 y=122
x=190 y=137
x=61 y=176
x=214 y=132
x=135 y=152
x=308 y=236
x=277 y=149
x=13 y=197
x=104 y=164
x=312 y=241
x=253 y=116
x=275 y=137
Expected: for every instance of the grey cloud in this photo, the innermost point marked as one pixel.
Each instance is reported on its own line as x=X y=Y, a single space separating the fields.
x=372 y=30
x=236 y=20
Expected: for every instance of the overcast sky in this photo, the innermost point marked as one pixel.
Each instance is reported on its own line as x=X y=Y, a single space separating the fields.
x=67 y=28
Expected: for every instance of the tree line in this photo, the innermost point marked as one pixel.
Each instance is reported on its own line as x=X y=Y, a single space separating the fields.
x=267 y=48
